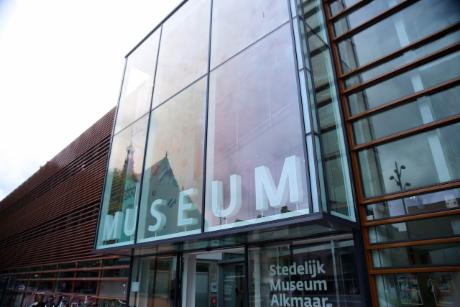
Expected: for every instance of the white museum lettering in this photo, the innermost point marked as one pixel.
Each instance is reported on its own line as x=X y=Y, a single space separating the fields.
x=184 y=206
x=217 y=200
x=112 y=226
x=160 y=217
x=267 y=194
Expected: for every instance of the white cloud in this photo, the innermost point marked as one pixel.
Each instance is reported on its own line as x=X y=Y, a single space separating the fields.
x=60 y=70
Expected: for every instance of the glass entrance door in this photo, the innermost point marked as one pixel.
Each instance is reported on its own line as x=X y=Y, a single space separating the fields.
x=232 y=280
x=214 y=279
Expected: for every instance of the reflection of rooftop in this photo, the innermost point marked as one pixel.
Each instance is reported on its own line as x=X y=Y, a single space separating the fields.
x=163 y=169
x=163 y=182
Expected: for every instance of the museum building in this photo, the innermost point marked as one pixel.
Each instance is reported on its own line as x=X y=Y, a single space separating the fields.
x=289 y=153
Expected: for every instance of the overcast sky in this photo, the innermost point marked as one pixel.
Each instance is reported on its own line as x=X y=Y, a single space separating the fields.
x=61 y=63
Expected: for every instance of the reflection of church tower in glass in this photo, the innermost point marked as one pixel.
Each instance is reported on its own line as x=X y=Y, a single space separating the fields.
x=128 y=166
x=131 y=187
x=124 y=189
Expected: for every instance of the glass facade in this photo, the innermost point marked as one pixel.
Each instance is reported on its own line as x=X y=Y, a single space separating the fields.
x=397 y=67
x=412 y=205
x=172 y=186
x=229 y=141
x=122 y=186
x=264 y=123
x=393 y=167
x=317 y=274
x=400 y=29
x=253 y=108
x=137 y=86
x=296 y=273
x=183 y=55
x=327 y=124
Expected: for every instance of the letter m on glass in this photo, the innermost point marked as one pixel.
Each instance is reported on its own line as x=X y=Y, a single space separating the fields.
x=289 y=188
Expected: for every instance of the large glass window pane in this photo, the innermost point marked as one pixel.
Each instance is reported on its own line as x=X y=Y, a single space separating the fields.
x=422 y=289
x=307 y=275
x=238 y=23
x=419 y=255
x=154 y=282
x=136 y=92
x=172 y=184
x=425 y=159
x=253 y=108
x=432 y=202
x=362 y=15
x=184 y=48
x=422 y=111
x=122 y=186
x=405 y=58
x=339 y=5
x=407 y=83
x=439 y=227
x=399 y=30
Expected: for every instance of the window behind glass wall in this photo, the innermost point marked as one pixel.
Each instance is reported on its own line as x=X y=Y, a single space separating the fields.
x=399 y=76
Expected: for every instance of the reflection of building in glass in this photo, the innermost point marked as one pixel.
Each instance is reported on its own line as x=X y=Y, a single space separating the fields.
x=123 y=183
x=163 y=185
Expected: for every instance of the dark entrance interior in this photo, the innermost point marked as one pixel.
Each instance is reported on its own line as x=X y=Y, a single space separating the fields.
x=215 y=278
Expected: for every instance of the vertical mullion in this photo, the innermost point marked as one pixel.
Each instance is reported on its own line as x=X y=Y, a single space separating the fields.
x=139 y=201
x=206 y=122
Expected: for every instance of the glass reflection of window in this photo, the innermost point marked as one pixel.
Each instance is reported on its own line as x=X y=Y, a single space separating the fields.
x=339 y=5
x=122 y=186
x=435 y=254
x=362 y=15
x=409 y=56
x=254 y=121
x=137 y=87
x=424 y=110
x=424 y=229
x=172 y=183
x=399 y=30
x=432 y=202
x=421 y=160
x=416 y=80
